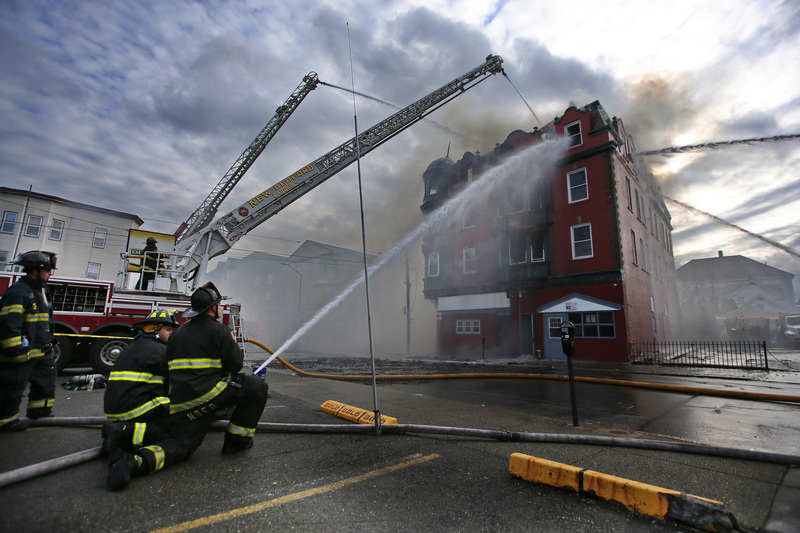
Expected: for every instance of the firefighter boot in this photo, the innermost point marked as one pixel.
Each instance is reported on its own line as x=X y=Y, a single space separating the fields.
x=123 y=467
x=14 y=425
x=236 y=443
x=117 y=436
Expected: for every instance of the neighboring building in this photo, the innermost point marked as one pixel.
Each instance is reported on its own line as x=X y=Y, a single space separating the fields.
x=591 y=246
x=87 y=239
x=279 y=294
x=734 y=296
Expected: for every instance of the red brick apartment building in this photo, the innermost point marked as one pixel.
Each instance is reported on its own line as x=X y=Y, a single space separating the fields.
x=591 y=245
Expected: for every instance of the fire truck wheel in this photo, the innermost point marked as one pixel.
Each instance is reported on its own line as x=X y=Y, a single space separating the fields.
x=103 y=353
x=63 y=352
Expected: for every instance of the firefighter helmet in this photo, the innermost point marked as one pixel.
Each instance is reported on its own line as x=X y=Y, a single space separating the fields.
x=36 y=259
x=203 y=299
x=161 y=317
x=150 y=240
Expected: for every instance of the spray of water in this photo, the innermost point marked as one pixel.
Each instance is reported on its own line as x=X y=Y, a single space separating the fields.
x=533 y=164
x=739 y=228
x=719 y=144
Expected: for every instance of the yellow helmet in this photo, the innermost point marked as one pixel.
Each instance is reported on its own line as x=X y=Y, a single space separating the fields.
x=160 y=317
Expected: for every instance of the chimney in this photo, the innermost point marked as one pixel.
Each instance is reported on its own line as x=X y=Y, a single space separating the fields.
x=719 y=253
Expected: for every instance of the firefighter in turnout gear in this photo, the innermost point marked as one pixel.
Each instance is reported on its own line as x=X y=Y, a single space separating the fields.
x=150 y=263
x=204 y=361
x=137 y=389
x=26 y=343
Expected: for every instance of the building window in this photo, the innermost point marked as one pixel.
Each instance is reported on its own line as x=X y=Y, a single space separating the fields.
x=628 y=194
x=99 y=240
x=638 y=205
x=581 y=241
x=433 y=265
x=578 y=185
x=9 y=220
x=33 y=226
x=517 y=202
x=634 y=250
x=593 y=325
x=554 y=326
x=468 y=327
x=56 y=230
x=3 y=259
x=469 y=218
x=537 y=246
x=517 y=248
x=573 y=131
x=470 y=260
x=93 y=271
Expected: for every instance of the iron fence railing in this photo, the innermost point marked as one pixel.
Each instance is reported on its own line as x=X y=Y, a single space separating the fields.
x=722 y=354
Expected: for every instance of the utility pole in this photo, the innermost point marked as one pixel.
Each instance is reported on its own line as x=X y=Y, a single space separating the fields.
x=408 y=308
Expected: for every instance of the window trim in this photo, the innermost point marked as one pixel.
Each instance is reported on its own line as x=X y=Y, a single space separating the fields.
x=7 y=215
x=571 y=188
x=90 y=274
x=430 y=263
x=471 y=324
x=97 y=241
x=572 y=230
x=573 y=136
x=473 y=260
x=53 y=229
x=30 y=225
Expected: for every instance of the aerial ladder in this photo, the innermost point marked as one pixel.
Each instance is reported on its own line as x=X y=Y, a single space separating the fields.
x=207 y=210
x=196 y=248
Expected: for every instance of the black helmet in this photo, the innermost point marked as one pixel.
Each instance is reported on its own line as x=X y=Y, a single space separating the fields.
x=203 y=299
x=162 y=317
x=151 y=240
x=36 y=259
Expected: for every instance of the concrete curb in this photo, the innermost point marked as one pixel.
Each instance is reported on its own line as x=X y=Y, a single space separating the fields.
x=642 y=498
x=353 y=414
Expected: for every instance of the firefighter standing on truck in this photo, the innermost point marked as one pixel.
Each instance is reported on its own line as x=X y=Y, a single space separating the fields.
x=204 y=360
x=149 y=265
x=137 y=389
x=26 y=342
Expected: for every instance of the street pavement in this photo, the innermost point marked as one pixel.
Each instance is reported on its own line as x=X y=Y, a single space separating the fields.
x=332 y=481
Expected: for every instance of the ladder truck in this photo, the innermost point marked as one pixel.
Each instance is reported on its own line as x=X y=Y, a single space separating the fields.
x=113 y=310
x=93 y=318
x=194 y=251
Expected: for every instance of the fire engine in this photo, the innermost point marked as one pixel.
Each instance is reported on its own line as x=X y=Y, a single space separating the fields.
x=93 y=318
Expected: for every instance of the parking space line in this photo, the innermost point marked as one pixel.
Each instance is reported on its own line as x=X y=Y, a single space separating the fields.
x=234 y=513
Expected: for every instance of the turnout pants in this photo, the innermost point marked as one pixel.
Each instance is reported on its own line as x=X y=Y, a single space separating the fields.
x=247 y=395
x=40 y=373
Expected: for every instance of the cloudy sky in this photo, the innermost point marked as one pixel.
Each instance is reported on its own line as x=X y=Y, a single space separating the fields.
x=142 y=106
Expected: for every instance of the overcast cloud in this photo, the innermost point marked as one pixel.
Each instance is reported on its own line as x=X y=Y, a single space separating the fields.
x=142 y=106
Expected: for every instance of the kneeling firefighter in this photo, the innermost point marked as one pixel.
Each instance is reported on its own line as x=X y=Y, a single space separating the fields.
x=137 y=389
x=204 y=362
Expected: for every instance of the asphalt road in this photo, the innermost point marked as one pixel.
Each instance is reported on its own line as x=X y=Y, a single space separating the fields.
x=363 y=482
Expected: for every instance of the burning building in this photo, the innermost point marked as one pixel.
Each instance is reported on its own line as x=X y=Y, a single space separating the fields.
x=590 y=244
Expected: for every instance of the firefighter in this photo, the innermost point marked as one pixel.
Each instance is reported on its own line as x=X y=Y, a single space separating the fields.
x=136 y=391
x=204 y=361
x=150 y=263
x=26 y=343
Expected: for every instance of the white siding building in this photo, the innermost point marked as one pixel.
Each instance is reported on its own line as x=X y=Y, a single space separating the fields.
x=87 y=239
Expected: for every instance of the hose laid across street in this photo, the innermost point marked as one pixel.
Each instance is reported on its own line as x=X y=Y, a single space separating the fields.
x=28 y=472
x=743 y=395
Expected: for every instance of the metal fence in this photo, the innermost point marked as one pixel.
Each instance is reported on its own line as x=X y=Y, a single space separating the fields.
x=721 y=354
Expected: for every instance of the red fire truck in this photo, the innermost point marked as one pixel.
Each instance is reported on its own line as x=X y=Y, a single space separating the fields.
x=93 y=321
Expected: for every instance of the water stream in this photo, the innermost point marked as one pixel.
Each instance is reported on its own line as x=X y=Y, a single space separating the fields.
x=523 y=169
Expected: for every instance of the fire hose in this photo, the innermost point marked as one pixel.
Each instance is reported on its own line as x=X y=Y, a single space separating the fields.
x=28 y=472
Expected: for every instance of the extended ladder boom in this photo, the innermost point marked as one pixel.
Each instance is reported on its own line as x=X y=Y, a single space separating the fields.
x=226 y=231
x=205 y=213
